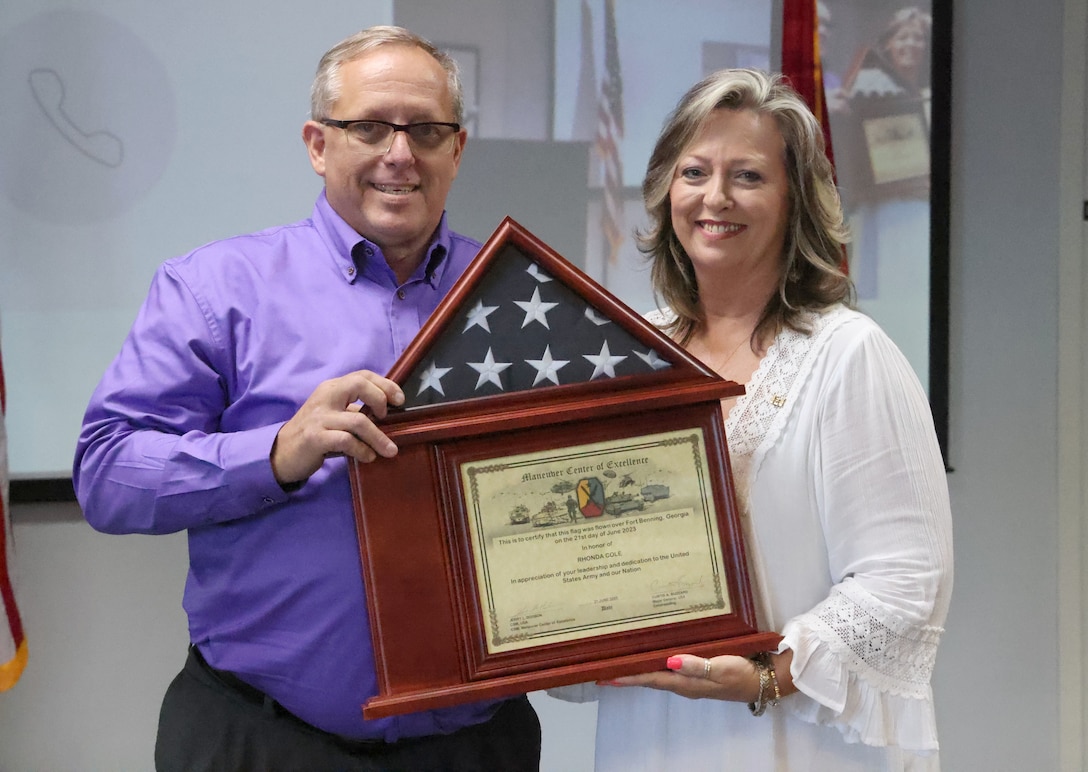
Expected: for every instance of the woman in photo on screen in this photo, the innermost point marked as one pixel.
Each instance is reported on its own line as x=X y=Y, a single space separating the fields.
x=899 y=64
x=882 y=151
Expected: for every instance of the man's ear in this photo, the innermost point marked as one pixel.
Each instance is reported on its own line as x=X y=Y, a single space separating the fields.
x=313 y=134
x=459 y=148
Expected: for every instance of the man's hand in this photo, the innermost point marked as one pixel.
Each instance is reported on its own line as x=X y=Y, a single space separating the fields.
x=331 y=423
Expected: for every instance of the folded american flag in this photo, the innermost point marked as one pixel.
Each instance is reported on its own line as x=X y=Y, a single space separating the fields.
x=523 y=328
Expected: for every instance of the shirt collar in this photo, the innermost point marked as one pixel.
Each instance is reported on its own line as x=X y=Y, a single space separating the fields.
x=353 y=255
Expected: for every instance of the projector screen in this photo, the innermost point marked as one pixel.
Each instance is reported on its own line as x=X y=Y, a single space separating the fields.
x=133 y=133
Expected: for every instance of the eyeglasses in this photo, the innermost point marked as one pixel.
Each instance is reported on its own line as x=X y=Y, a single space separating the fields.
x=376 y=137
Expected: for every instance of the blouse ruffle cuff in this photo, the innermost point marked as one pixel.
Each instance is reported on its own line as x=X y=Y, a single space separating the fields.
x=865 y=674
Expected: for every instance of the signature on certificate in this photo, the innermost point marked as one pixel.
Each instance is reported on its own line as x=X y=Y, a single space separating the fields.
x=678 y=584
x=534 y=610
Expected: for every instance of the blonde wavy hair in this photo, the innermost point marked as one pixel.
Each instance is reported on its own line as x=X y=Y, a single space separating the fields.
x=811 y=276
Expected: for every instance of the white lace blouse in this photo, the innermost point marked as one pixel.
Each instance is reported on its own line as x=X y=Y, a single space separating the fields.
x=845 y=507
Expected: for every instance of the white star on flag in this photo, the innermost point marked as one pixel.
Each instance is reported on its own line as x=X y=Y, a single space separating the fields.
x=652 y=359
x=534 y=271
x=535 y=309
x=491 y=346
x=594 y=317
x=604 y=363
x=546 y=367
x=489 y=370
x=432 y=379
x=477 y=317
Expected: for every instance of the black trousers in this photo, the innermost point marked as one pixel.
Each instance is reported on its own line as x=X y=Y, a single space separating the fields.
x=211 y=721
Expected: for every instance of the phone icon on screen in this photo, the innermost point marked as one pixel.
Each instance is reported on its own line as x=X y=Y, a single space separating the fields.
x=100 y=146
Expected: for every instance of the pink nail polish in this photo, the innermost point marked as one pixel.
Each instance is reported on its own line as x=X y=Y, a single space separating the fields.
x=673 y=663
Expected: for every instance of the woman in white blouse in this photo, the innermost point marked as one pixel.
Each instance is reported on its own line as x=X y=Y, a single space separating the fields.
x=838 y=474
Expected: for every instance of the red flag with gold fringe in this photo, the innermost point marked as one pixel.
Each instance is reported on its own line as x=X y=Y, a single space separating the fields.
x=609 y=133
x=13 y=652
x=801 y=60
x=802 y=65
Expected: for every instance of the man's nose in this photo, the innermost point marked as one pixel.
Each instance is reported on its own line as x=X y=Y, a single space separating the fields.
x=400 y=149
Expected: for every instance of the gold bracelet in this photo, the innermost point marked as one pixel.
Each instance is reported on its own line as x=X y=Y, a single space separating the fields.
x=767 y=678
x=758 y=707
x=774 y=683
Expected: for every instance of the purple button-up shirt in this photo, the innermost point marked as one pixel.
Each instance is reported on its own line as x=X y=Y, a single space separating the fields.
x=231 y=340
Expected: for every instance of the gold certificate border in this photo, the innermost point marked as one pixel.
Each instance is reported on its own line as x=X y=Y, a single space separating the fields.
x=586 y=540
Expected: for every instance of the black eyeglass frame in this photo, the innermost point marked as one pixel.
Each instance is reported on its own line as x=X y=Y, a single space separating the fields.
x=405 y=127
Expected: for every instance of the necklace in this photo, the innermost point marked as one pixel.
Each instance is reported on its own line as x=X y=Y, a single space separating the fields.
x=722 y=365
x=732 y=354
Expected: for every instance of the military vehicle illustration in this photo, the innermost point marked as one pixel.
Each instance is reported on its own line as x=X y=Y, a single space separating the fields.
x=618 y=503
x=550 y=514
x=589 y=498
x=519 y=515
x=651 y=493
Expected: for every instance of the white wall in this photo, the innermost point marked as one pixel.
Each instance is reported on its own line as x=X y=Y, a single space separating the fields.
x=998 y=670
x=106 y=632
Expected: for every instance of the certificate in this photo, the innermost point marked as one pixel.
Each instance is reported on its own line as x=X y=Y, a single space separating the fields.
x=895 y=135
x=600 y=538
x=898 y=147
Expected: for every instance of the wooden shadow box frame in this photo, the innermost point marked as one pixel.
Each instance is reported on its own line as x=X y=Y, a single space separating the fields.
x=433 y=646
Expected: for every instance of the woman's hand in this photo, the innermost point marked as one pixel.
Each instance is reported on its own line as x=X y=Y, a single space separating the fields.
x=728 y=677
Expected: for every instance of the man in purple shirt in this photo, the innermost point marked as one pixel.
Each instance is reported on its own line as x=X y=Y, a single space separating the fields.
x=233 y=406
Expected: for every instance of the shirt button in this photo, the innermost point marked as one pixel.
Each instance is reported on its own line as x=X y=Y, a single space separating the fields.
x=269 y=500
x=401 y=294
x=351 y=271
